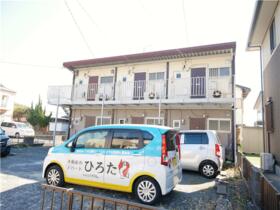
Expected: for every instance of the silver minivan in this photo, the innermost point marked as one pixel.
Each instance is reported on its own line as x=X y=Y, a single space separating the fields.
x=201 y=151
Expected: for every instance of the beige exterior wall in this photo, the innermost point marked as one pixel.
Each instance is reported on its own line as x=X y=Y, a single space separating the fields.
x=176 y=87
x=9 y=106
x=252 y=141
x=169 y=115
x=266 y=54
x=271 y=78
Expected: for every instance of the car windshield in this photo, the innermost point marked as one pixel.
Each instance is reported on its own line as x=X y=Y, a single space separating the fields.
x=22 y=125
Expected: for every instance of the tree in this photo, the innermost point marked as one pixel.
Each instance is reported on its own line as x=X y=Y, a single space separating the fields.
x=20 y=112
x=37 y=116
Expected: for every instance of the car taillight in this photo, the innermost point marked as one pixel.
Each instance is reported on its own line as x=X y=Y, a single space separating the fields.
x=164 y=153
x=217 y=150
x=178 y=145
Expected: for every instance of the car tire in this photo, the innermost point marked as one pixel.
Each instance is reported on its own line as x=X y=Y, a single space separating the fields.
x=147 y=190
x=208 y=169
x=5 y=153
x=55 y=176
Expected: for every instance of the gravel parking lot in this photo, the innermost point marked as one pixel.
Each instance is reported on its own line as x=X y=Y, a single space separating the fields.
x=20 y=186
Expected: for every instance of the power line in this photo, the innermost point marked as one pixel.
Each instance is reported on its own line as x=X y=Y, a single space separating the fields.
x=89 y=16
x=78 y=27
x=185 y=20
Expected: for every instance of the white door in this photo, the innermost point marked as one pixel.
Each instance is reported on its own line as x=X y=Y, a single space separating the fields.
x=194 y=149
x=125 y=158
x=86 y=162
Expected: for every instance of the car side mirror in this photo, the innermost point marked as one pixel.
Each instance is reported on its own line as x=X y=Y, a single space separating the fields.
x=71 y=146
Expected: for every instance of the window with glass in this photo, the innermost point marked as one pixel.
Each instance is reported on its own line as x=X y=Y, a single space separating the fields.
x=177 y=124
x=178 y=75
x=220 y=125
x=125 y=139
x=121 y=121
x=154 y=121
x=272 y=36
x=195 y=138
x=156 y=76
x=92 y=139
x=213 y=72
x=147 y=137
x=219 y=72
x=4 y=101
x=224 y=71
x=105 y=120
x=107 y=79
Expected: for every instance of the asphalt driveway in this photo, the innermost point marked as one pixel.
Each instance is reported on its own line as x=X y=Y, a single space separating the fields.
x=20 y=185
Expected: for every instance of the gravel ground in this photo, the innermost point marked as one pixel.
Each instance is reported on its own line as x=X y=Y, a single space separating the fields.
x=20 y=180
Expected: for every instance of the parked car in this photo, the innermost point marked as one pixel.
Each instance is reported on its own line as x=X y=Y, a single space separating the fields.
x=4 y=143
x=131 y=158
x=202 y=151
x=18 y=129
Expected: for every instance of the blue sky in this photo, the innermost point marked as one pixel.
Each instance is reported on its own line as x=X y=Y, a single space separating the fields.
x=42 y=33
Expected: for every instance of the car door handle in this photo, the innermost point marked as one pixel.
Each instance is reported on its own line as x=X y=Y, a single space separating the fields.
x=136 y=154
x=201 y=148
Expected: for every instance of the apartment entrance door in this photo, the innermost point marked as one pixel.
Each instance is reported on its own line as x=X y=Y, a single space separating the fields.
x=197 y=124
x=137 y=120
x=92 y=88
x=139 y=86
x=198 y=83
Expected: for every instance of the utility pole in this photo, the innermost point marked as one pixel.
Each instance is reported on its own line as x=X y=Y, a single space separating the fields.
x=159 y=109
x=56 y=116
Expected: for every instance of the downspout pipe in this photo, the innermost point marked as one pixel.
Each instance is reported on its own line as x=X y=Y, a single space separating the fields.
x=233 y=112
x=262 y=101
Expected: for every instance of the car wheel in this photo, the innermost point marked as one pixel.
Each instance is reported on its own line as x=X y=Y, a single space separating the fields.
x=208 y=169
x=54 y=176
x=5 y=153
x=147 y=190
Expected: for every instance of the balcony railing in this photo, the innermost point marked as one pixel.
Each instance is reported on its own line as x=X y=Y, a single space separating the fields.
x=122 y=92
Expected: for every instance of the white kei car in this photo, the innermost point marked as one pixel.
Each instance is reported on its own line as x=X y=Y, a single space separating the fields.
x=201 y=151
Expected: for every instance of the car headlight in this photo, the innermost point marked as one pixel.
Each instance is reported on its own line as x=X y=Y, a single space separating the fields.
x=9 y=142
x=50 y=150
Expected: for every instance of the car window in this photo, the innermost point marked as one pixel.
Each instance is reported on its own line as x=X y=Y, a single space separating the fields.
x=3 y=124
x=125 y=139
x=196 y=138
x=11 y=125
x=147 y=137
x=92 y=139
x=171 y=140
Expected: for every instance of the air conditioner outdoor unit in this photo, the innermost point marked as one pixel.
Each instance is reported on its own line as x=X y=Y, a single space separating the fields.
x=267 y=162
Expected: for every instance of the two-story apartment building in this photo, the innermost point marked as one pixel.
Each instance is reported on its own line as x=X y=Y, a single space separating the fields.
x=7 y=97
x=186 y=88
x=265 y=36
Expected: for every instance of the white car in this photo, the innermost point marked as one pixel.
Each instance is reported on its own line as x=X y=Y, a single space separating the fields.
x=201 y=151
x=142 y=159
x=17 y=129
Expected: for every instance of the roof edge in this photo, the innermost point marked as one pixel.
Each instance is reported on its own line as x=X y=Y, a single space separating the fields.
x=257 y=10
x=140 y=57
